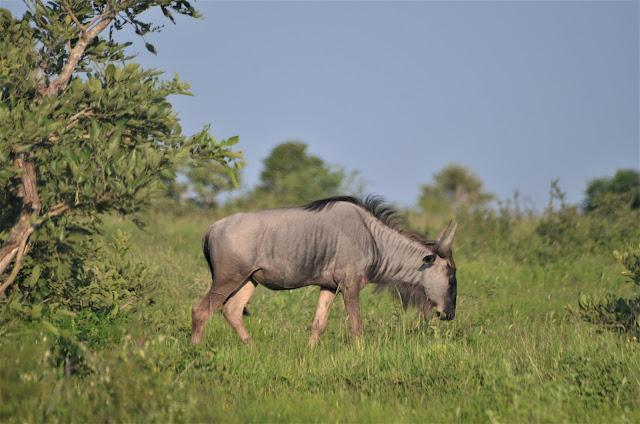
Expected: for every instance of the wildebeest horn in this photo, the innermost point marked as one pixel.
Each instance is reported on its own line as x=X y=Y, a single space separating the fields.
x=444 y=230
x=444 y=249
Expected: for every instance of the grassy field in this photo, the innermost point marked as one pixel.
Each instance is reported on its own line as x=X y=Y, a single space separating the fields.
x=515 y=352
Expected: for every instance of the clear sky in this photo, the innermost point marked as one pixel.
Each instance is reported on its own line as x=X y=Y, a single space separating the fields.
x=520 y=92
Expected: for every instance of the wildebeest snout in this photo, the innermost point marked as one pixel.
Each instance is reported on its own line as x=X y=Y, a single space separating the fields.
x=446 y=314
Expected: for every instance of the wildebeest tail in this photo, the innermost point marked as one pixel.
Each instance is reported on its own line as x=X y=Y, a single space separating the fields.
x=207 y=255
x=206 y=251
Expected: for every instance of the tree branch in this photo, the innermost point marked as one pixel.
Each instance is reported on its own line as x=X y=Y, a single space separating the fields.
x=74 y=18
x=4 y=263
x=18 y=265
x=62 y=80
x=58 y=209
x=96 y=19
x=23 y=227
x=88 y=112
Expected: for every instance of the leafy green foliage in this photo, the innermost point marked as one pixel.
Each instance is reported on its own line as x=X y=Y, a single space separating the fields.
x=630 y=259
x=101 y=136
x=562 y=233
x=619 y=312
x=454 y=187
x=612 y=311
x=113 y=279
x=291 y=176
x=201 y=183
x=608 y=195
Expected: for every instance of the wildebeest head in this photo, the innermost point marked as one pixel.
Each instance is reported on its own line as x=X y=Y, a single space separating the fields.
x=439 y=275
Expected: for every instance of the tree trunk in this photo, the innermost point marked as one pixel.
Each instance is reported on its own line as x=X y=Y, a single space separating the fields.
x=16 y=244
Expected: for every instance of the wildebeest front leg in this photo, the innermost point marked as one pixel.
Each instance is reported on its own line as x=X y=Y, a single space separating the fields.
x=234 y=307
x=327 y=296
x=352 y=303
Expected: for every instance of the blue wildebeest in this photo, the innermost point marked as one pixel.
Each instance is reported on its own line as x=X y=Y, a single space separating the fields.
x=340 y=244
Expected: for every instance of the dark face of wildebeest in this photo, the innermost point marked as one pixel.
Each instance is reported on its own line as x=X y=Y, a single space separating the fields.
x=439 y=277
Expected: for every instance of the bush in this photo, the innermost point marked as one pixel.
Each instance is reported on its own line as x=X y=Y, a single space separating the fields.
x=611 y=310
x=114 y=280
x=108 y=280
x=630 y=260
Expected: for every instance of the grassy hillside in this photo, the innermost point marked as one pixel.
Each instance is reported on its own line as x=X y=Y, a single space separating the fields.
x=517 y=351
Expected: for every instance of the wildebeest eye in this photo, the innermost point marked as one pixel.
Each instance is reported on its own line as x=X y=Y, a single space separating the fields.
x=429 y=259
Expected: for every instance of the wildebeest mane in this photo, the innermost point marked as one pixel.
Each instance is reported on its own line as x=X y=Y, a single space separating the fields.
x=377 y=207
x=382 y=211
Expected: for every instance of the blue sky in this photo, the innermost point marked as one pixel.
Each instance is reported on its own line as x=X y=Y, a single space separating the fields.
x=519 y=92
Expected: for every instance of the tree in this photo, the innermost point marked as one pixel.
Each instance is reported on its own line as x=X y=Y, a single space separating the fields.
x=454 y=186
x=201 y=185
x=620 y=192
x=83 y=131
x=291 y=176
x=433 y=201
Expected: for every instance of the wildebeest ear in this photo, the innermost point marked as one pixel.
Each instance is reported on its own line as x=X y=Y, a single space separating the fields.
x=429 y=259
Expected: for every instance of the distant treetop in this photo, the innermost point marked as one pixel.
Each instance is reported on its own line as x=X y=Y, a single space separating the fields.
x=621 y=191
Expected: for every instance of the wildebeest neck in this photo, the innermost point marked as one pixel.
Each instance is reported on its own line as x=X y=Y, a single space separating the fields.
x=398 y=257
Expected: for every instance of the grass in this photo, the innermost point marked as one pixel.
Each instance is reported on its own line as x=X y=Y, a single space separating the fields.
x=515 y=352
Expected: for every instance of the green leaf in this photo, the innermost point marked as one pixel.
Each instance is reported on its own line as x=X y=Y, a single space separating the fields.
x=36 y=312
x=232 y=175
x=50 y=328
x=34 y=277
x=230 y=141
x=110 y=71
x=6 y=174
x=66 y=313
x=150 y=47
x=16 y=306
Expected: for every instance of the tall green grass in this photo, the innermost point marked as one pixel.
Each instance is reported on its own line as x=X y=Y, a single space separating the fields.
x=516 y=351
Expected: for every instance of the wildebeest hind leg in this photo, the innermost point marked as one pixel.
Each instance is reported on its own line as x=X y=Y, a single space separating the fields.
x=212 y=301
x=233 y=308
x=327 y=296
x=201 y=313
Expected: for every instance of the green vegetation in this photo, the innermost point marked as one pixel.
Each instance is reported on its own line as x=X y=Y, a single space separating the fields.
x=453 y=187
x=620 y=191
x=612 y=310
x=95 y=316
x=291 y=176
x=518 y=350
x=84 y=132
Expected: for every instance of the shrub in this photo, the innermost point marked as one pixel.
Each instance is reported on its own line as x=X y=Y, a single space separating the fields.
x=614 y=311
x=103 y=277
x=630 y=260
x=114 y=280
